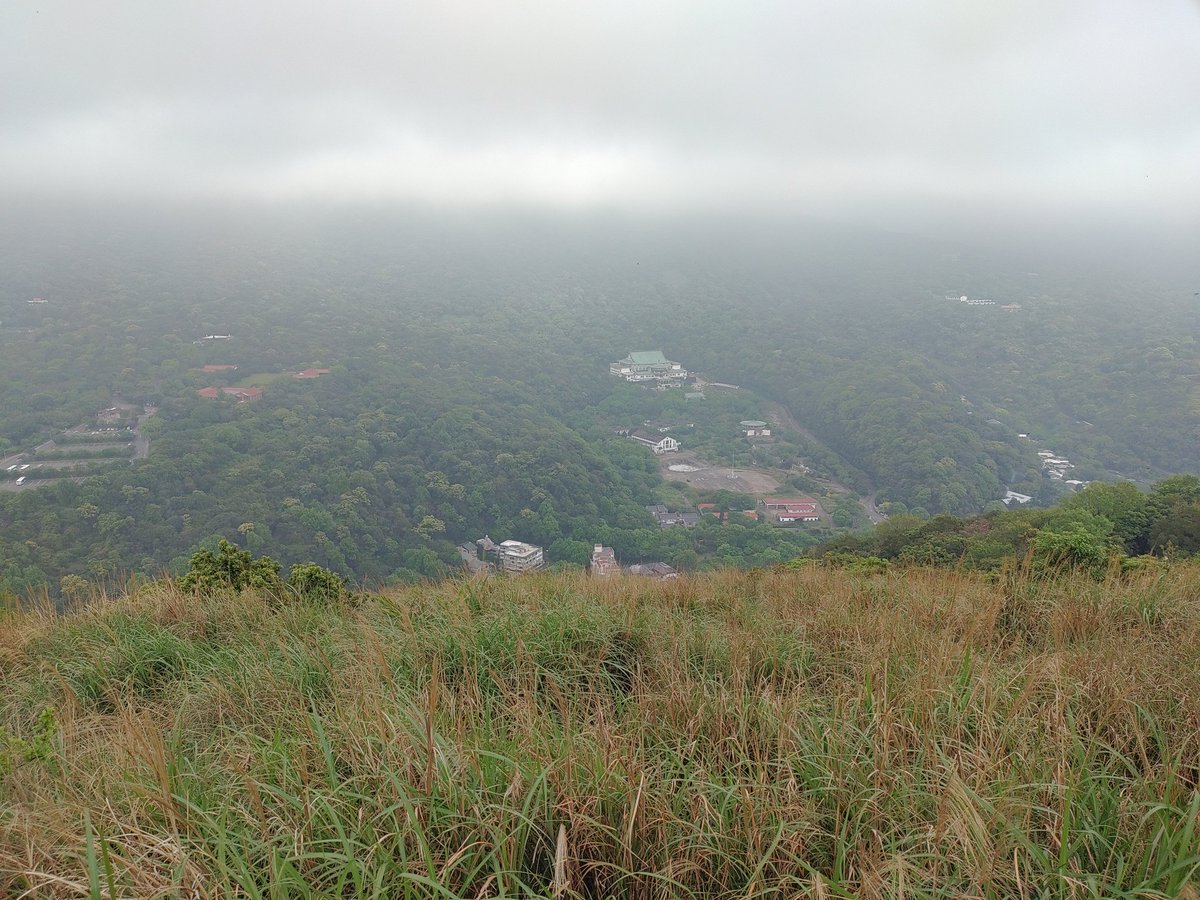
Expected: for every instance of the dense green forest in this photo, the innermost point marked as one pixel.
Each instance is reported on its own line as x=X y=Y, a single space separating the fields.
x=1103 y=525
x=469 y=393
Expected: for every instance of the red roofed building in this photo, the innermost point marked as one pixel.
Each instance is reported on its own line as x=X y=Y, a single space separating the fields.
x=311 y=373
x=789 y=502
x=793 y=509
x=241 y=394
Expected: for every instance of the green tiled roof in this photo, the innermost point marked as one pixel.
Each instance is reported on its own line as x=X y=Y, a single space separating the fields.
x=648 y=358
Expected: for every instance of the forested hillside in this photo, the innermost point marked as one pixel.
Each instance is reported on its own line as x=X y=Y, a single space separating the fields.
x=468 y=392
x=1102 y=528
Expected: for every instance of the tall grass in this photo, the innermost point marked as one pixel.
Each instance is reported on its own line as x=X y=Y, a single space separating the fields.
x=811 y=733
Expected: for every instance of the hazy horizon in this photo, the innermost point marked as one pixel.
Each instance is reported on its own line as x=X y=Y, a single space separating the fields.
x=936 y=119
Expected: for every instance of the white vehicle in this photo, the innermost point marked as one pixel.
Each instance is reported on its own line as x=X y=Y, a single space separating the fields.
x=24 y=467
x=21 y=480
x=10 y=468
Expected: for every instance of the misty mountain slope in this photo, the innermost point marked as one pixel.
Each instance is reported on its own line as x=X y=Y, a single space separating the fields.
x=464 y=347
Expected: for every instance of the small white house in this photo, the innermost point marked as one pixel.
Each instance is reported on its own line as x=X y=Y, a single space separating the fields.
x=660 y=444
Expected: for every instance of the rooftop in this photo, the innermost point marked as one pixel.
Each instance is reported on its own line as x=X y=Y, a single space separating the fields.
x=649 y=358
x=519 y=547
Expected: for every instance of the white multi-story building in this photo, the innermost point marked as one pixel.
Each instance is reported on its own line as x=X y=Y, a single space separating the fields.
x=518 y=557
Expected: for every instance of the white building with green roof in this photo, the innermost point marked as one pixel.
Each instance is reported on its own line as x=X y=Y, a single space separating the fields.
x=648 y=365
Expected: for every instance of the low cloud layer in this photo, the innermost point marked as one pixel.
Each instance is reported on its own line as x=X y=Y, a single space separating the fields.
x=1035 y=109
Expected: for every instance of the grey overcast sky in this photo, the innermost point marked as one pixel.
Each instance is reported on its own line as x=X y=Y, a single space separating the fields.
x=1034 y=107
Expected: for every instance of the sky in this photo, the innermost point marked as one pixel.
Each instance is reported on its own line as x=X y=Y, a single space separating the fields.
x=1036 y=110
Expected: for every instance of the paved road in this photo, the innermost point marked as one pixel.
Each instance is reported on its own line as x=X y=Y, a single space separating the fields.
x=873 y=513
x=782 y=416
x=141 y=443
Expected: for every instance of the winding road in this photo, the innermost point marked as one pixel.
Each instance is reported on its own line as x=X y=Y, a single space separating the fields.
x=780 y=415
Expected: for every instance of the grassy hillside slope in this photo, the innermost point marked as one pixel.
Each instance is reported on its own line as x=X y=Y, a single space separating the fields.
x=809 y=733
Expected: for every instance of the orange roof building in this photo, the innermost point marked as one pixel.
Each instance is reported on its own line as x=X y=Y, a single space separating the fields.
x=241 y=394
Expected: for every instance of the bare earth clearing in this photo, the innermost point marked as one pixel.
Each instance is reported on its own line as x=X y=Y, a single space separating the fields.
x=708 y=477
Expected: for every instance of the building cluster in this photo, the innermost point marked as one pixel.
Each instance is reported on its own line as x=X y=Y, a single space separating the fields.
x=604 y=562
x=1055 y=466
x=1058 y=468
x=648 y=366
x=669 y=518
x=114 y=415
x=790 y=510
x=983 y=301
x=756 y=431
x=779 y=510
x=486 y=557
x=241 y=394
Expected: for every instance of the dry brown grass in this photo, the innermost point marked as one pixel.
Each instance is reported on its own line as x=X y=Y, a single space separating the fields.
x=808 y=733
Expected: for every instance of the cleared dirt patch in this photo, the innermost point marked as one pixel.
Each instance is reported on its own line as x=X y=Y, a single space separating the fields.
x=707 y=477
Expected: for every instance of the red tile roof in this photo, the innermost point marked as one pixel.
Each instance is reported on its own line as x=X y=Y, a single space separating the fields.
x=241 y=393
x=788 y=502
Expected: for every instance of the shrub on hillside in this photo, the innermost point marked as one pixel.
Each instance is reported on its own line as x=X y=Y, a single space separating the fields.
x=316 y=584
x=230 y=567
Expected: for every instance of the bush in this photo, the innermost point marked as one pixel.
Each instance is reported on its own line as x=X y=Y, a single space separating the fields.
x=316 y=584
x=230 y=567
